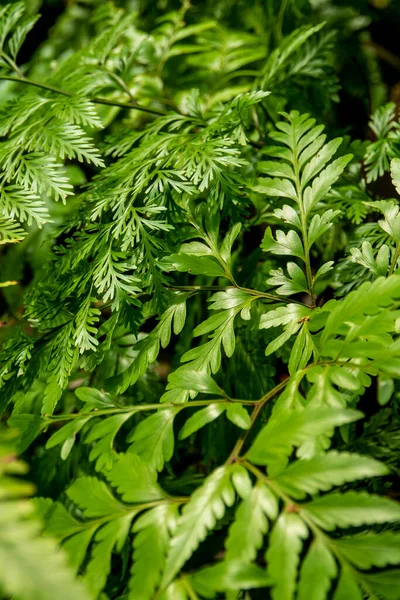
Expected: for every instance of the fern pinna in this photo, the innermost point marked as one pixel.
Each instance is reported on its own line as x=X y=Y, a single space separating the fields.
x=201 y=298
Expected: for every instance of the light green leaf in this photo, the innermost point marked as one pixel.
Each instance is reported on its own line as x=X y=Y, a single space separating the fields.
x=347 y=587
x=323 y=183
x=283 y=555
x=238 y=415
x=275 y=441
x=352 y=509
x=93 y=396
x=29 y=427
x=150 y=544
x=317 y=572
x=324 y=471
x=103 y=433
x=93 y=497
x=275 y=187
x=67 y=436
x=395 y=173
x=247 y=531
x=153 y=439
x=134 y=480
x=201 y=418
x=99 y=566
x=371 y=549
x=196 y=265
x=230 y=575
x=199 y=381
x=301 y=351
x=44 y=575
x=77 y=546
x=318 y=162
x=285 y=243
x=385 y=583
x=206 y=505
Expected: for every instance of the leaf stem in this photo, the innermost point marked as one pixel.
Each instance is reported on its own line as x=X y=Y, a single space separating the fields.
x=395 y=259
x=144 y=407
x=96 y=100
x=216 y=288
x=259 y=405
x=191 y=593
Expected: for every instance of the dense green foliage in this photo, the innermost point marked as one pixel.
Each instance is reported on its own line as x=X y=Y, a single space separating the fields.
x=200 y=361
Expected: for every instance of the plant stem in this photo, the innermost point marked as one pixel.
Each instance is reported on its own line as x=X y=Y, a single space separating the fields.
x=259 y=405
x=144 y=407
x=191 y=593
x=216 y=288
x=395 y=259
x=55 y=90
x=274 y=297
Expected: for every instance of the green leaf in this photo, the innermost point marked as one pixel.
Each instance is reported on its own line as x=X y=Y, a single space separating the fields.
x=295 y=283
x=77 y=546
x=149 y=347
x=230 y=575
x=283 y=555
x=301 y=351
x=371 y=549
x=150 y=544
x=351 y=509
x=105 y=539
x=385 y=583
x=395 y=172
x=238 y=415
x=29 y=427
x=275 y=187
x=201 y=418
x=134 y=480
x=206 y=505
x=290 y=316
x=317 y=571
x=324 y=471
x=275 y=441
x=347 y=586
x=153 y=439
x=284 y=244
x=60 y=523
x=247 y=531
x=199 y=381
x=67 y=436
x=323 y=183
x=44 y=575
x=320 y=224
x=32 y=565
x=103 y=433
x=378 y=265
x=385 y=390
x=285 y=315
x=93 y=396
x=196 y=265
x=93 y=497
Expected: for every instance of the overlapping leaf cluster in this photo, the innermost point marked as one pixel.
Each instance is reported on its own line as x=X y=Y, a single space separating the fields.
x=213 y=310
